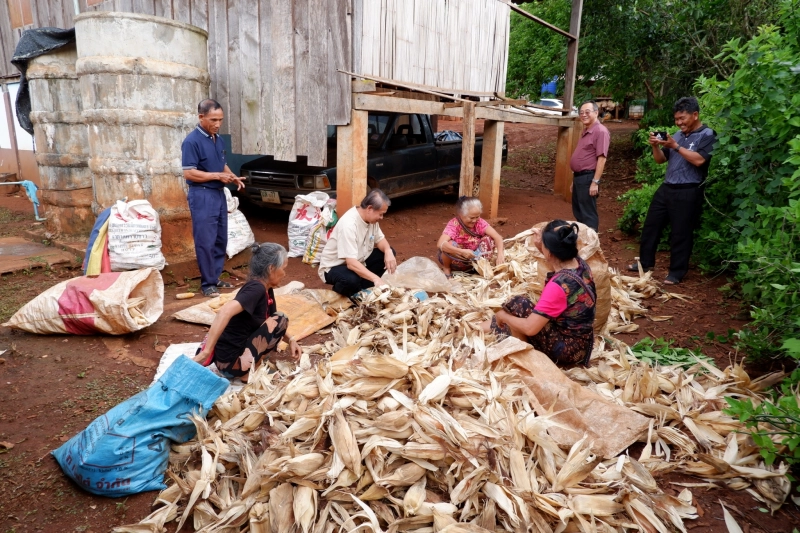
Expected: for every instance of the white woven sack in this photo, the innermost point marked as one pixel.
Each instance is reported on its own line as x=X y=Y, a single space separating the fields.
x=134 y=236
x=114 y=303
x=305 y=214
x=240 y=236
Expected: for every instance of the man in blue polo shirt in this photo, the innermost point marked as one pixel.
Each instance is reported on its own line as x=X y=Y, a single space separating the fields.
x=679 y=200
x=206 y=172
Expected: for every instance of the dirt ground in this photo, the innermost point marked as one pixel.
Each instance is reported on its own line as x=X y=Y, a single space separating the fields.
x=52 y=387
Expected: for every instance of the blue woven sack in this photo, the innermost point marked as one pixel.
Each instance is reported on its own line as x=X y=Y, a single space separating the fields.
x=126 y=450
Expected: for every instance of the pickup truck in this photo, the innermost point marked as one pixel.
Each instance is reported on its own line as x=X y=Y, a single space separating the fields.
x=403 y=157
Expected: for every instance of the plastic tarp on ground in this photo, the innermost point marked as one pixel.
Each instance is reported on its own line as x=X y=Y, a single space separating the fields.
x=126 y=450
x=566 y=410
x=32 y=44
x=305 y=313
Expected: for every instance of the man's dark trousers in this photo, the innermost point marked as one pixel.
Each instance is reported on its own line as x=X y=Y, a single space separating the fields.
x=347 y=283
x=584 y=206
x=209 y=210
x=680 y=207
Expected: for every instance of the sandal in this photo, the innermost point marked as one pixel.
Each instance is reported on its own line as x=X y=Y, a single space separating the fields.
x=634 y=267
x=671 y=280
x=210 y=292
x=224 y=285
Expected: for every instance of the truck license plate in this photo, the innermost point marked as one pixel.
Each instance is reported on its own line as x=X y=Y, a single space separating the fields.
x=270 y=196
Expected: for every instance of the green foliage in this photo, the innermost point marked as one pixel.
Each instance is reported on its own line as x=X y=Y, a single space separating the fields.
x=535 y=54
x=774 y=424
x=754 y=184
x=650 y=174
x=661 y=352
x=636 y=201
x=632 y=48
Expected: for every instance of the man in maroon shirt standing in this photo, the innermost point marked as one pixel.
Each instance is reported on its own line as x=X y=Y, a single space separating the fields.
x=587 y=164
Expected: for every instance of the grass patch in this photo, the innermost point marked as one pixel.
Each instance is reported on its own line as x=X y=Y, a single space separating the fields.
x=18 y=289
x=530 y=160
x=7 y=216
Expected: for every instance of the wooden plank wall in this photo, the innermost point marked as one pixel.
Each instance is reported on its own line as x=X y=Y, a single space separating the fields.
x=273 y=63
x=449 y=44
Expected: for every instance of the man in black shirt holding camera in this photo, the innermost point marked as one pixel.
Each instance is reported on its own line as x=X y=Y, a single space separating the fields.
x=679 y=200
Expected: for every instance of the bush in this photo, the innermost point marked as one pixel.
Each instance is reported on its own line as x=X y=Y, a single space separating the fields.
x=650 y=174
x=754 y=184
x=637 y=201
x=774 y=423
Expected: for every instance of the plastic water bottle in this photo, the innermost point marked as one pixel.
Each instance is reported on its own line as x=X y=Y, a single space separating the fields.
x=420 y=295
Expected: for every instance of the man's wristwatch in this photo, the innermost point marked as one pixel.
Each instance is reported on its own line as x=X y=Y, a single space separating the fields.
x=597 y=182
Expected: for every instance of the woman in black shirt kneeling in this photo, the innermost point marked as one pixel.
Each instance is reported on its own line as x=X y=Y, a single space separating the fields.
x=250 y=326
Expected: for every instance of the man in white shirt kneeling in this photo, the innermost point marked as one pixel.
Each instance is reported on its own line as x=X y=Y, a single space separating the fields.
x=357 y=253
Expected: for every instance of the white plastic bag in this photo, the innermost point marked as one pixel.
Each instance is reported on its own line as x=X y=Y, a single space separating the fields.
x=240 y=236
x=306 y=213
x=134 y=236
x=421 y=273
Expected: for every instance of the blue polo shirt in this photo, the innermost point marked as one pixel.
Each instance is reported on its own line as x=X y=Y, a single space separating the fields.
x=679 y=170
x=202 y=151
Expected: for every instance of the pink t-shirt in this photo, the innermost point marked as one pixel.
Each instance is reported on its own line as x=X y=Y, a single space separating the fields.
x=553 y=301
x=462 y=238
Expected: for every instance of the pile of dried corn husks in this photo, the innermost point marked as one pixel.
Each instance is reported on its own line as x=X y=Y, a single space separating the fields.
x=420 y=432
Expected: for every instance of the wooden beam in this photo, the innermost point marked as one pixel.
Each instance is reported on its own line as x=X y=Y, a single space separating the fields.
x=563 y=154
x=575 y=135
x=572 y=55
x=391 y=104
x=565 y=145
x=351 y=162
x=507 y=115
x=405 y=85
x=363 y=86
x=489 y=103
x=491 y=165
x=467 y=151
x=571 y=35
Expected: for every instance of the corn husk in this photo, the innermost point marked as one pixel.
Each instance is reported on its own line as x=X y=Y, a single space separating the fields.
x=414 y=419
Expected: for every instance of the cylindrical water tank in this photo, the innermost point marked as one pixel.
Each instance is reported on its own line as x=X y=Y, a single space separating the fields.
x=62 y=147
x=141 y=78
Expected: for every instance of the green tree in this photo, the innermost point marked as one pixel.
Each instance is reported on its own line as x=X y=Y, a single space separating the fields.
x=753 y=189
x=633 y=48
x=536 y=54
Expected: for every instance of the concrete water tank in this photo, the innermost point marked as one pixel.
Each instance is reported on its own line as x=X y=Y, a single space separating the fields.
x=62 y=148
x=141 y=78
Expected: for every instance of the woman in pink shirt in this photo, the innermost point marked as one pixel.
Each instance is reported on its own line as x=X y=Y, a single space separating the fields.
x=560 y=323
x=468 y=237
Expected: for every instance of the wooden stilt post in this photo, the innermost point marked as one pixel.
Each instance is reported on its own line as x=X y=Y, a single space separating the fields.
x=563 y=153
x=572 y=54
x=491 y=164
x=468 y=151
x=351 y=162
x=575 y=134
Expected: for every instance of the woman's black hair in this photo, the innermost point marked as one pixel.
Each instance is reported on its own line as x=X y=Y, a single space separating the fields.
x=266 y=255
x=561 y=239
